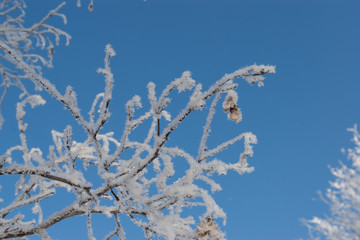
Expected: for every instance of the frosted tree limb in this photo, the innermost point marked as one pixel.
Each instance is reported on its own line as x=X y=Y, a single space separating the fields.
x=20 y=42
x=343 y=198
x=136 y=175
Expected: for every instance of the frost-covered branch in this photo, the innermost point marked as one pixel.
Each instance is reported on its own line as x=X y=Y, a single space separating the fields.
x=136 y=177
x=126 y=181
x=343 y=198
x=19 y=45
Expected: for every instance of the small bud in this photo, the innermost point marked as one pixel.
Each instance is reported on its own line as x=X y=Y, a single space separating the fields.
x=235 y=114
x=230 y=105
x=207 y=228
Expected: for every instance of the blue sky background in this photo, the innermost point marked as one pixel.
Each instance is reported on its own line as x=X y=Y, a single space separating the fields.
x=300 y=116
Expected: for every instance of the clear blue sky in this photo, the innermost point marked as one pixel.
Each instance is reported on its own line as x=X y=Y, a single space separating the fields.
x=300 y=116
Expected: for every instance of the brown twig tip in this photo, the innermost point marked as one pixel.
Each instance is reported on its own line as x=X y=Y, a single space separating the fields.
x=207 y=227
